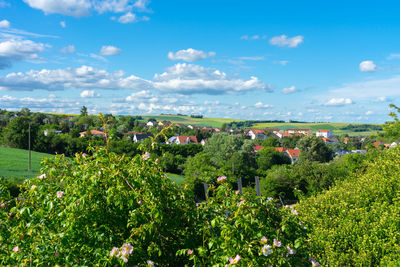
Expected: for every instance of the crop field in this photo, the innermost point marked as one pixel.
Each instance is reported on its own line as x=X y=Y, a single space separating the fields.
x=211 y=122
x=14 y=163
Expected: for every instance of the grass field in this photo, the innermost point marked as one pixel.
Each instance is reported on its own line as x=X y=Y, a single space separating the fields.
x=211 y=122
x=178 y=179
x=335 y=127
x=14 y=163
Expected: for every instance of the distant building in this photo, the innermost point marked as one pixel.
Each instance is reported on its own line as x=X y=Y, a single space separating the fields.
x=182 y=140
x=139 y=137
x=324 y=133
x=256 y=134
x=293 y=154
x=257 y=148
x=299 y=131
x=94 y=133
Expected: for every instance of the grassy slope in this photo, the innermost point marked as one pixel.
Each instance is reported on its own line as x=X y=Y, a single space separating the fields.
x=213 y=122
x=14 y=162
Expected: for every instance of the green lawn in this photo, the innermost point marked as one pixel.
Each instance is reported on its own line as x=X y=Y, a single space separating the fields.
x=14 y=163
x=178 y=179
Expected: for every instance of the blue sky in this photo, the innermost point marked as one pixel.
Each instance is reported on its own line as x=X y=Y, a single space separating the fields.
x=300 y=60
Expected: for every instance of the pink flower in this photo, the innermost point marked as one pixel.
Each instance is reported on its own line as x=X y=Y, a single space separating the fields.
x=16 y=249
x=157 y=160
x=146 y=156
x=291 y=251
x=140 y=202
x=114 y=252
x=57 y=254
x=60 y=194
x=144 y=181
x=10 y=214
x=237 y=192
x=235 y=260
x=127 y=248
x=190 y=252
x=277 y=243
x=294 y=212
x=240 y=203
x=84 y=155
x=219 y=179
x=313 y=262
x=166 y=176
x=264 y=239
x=3 y=205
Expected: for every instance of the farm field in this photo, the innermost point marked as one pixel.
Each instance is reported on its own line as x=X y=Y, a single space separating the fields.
x=14 y=163
x=211 y=122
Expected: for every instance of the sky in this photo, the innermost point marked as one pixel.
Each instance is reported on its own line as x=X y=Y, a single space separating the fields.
x=314 y=61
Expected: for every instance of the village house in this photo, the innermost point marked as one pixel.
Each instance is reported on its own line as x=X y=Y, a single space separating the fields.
x=299 y=131
x=293 y=154
x=150 y=124
x=257 y=148
x=182 y=140
x=256 y=134
x=284 y=135
x=324 y=133
x=139 y=137
x=93 y=133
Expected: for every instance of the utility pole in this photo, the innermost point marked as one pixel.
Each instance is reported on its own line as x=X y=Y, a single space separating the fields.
x=29 y=147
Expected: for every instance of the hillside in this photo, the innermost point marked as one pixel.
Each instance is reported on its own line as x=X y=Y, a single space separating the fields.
x=14 y=162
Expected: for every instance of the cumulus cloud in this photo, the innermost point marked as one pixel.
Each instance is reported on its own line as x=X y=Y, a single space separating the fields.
x=4 y=23
x=283 y=40
x=76 y=8
x=89 y=94
x=127 y=18
x=190 y=79
x=339 y=102
x=70 y=49
x=83 y=78
x=369 y=112
x=190 y=55
x=63 y=24
x=140 y=96
x=367 y=66
x=17 y=49
x=380 y=99
x=37 y=103
x=79 y=8
x=109 y=50
x=289 y=90
x=261 y=105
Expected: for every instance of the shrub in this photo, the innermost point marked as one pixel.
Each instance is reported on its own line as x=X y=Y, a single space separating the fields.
x=357 y=222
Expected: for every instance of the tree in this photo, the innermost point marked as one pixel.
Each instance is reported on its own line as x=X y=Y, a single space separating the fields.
x=268 y=157
x=314 y=149
x=271 y=141
x=392 y=128
x=17 y=131
x=84 y=112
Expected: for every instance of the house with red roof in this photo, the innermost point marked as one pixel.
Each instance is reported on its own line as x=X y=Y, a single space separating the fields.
x=299 y=131
x=256 y=134
x=279 y=149
x=93 y=133
x=257 y=148
x=182 y=140
x=293 y=154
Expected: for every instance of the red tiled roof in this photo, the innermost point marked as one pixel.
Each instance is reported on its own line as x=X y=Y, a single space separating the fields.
x=324 y=131
x=286 y=135
x=294 y=153
x=257 y=131
x=257 y=148
x=279 y=149
x=183 y=139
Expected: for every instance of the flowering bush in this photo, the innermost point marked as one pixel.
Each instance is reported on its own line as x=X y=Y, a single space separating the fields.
x=247 y=231
x=78 y=210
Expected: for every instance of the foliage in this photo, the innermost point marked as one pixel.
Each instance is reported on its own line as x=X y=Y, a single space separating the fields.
x=314 y=149
x=252 y=231
x=78 y=210
x=16 y=134
x=392 y=128
x=357 y=222
x=268 y=157
x=271 y=141
x=362 y=127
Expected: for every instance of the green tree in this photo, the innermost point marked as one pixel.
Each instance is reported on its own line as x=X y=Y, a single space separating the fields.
x=392 y=128
x=84 y=111
x=268 y=157
x=17 y=131
x=271 y=141
x=314 y=149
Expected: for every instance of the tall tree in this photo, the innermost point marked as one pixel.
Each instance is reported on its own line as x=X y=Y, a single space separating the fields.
x=314 y=149
x=84 y=111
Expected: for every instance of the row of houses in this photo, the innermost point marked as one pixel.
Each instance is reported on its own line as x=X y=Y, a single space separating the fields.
x=262 y=134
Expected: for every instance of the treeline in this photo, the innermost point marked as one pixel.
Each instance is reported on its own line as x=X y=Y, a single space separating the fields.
x=362 y=127
x=249 y=123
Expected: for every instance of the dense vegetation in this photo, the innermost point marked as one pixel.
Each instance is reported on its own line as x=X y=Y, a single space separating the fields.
x=362 y=127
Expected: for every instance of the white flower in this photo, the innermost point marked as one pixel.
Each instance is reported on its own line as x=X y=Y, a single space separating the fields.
x=42 y=176
x=267 y=250
x=33 y=187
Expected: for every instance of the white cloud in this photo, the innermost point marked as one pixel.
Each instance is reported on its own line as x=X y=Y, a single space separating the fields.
x=281 y=62
x=140 y=96
x=70 y=49
x=18 y=49
x=89 y=94
x=339 y=102
x=289 y=90
x=367 y=66
x=98 y=57
x=261 y=105
x=37 y=103
x=63 y=24
x=128 y=18
x=76 y=8
x=190 y=55
x=369 y=112
x=256 y=58
x=109 y=50
x=83 y=78
x=283 y=40
x=4 y=23
x=380 y=99
x=190 y=79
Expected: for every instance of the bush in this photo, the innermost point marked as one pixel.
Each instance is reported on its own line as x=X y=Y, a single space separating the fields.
x=357 y=222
